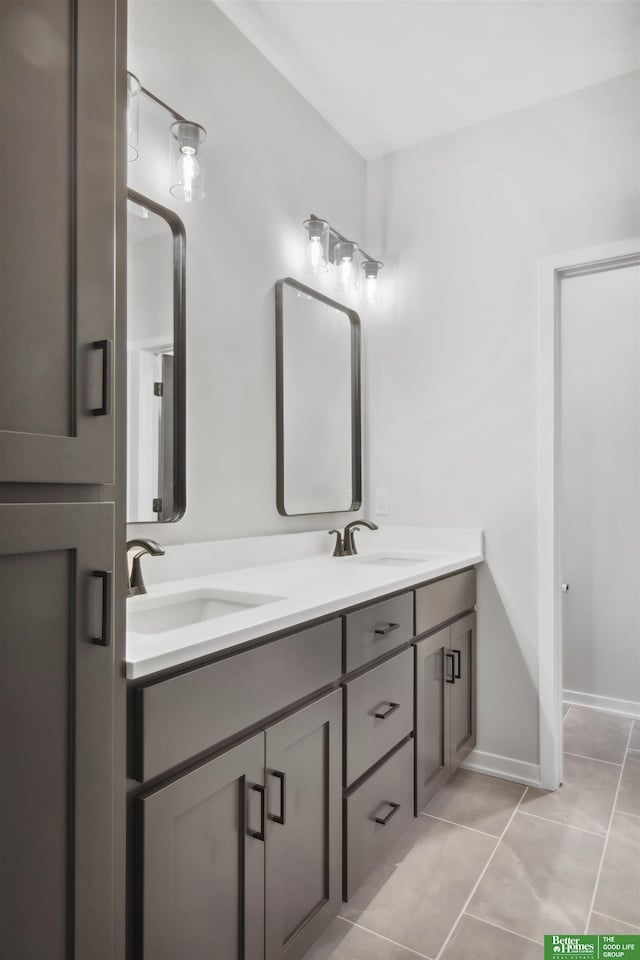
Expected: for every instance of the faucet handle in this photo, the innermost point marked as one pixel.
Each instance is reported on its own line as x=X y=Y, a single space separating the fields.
x=339 y=547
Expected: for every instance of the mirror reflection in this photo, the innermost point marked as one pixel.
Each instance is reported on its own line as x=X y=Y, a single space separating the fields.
x=318 y=357
x=155 y=362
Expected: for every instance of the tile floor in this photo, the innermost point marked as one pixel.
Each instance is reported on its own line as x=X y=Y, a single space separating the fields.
x=490 y=866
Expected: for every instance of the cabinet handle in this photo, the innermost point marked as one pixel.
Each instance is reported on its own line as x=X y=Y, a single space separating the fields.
x=104 y=640
x=385 y=628
x=259 y=834
x=281 y=817
x=451 y=657
x=383 y=821
x=391 y=708
x=104 y=409
x=457 y=668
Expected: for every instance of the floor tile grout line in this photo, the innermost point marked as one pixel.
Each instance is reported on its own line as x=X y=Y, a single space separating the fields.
x=478 y=881
x=625 y=813
x=381 y=936
x=606 y=839
x=608 y=916
x=498 y=926
x=463 y=826
x=567 y=713
x=559 y=823
x=582 y=756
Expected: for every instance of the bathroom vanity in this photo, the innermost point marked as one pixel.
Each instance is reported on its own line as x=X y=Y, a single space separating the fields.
x=271 y=774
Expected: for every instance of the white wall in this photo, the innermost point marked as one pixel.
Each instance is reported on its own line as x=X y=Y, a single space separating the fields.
x=600 y=483
x=272 y=160
x=452 y=361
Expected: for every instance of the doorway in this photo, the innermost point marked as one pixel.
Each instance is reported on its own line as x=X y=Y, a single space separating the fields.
x=581 y=398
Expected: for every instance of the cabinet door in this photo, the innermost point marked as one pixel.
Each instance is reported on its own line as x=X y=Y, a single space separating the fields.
x=57 y=240
x=433 y=678
x=203 y=861
x=463 y=691
x=304 y=826
x=56 y=735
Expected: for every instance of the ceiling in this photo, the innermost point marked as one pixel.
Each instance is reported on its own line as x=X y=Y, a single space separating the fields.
x=387 y=74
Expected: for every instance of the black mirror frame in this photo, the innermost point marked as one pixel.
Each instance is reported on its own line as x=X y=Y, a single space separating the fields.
x=356 y=400
x=180 y=360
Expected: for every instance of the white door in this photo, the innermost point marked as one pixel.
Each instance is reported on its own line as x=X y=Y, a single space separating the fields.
x=599 y=486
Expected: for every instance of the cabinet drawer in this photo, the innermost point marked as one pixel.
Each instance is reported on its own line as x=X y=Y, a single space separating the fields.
x=445 y=599
x=181 y=717
x=376 y=814
x=379 y=713
x=377 y=629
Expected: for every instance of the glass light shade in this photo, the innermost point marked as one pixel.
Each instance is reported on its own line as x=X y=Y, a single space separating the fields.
x=316 y=246
x=188 y=176
x=372 y=281
x=133 y=116
x=345 y=260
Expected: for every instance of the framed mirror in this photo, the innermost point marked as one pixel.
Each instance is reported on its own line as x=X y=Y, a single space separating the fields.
x=318 y=402
x=156 y=320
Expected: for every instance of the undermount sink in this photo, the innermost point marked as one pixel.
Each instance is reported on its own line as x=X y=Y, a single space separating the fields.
x=149 y=614
x=391 y=560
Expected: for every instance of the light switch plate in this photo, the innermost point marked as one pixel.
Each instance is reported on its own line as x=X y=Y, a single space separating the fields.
x=382 y=501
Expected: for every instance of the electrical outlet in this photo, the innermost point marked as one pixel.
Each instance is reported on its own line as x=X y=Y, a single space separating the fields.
x=382 y=501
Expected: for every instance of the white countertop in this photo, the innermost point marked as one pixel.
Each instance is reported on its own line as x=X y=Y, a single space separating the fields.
x=303 y=587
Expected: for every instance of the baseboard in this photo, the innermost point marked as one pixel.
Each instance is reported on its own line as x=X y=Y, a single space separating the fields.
x=626 y=708
x=506 y=768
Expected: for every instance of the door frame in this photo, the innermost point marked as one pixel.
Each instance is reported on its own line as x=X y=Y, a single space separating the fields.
x=552 y=270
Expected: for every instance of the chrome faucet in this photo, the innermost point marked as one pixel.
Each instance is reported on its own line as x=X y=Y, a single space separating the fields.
x=345 y=542
x=135 y=550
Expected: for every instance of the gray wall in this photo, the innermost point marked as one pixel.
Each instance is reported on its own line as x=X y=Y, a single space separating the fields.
x=452 y=364
x=600 y=483
x=271 y=161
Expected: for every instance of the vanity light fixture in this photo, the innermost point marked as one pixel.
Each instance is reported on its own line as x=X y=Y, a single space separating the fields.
x=371 y=286
x=316 y=249
x=324 y=245
x=345 y=260
x=188 y=173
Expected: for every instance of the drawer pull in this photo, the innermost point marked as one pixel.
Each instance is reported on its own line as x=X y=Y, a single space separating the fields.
x=457 y=674
x=106 y=576
x=259 y=834
x=281 y=817
x=383 y=714
x=451 y=679
x=104 y=410
x=383 y=821
x=383 y=629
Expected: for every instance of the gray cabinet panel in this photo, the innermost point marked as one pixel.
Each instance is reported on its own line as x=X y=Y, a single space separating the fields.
x=463 y=691
x=377 y=629
x=202 y=863
x=193 y=712
x=376 y=813
x=378 y=713
x=304 y=826
x=433 y=704
x=445 y=599
x=56 y=736
x=57 y=244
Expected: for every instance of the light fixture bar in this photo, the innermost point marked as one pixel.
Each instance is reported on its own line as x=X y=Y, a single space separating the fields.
x=341 y=237
x=165 y=106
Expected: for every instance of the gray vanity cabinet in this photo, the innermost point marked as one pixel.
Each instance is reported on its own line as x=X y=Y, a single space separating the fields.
x=445 y=681
x=304 y=826
x=433 y=709
x=463 y=689
x=203 y=861
x=57 y=247
x=56 y=736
